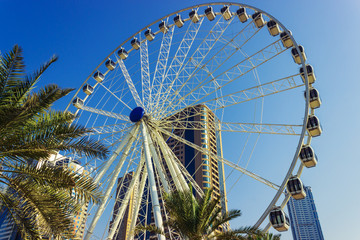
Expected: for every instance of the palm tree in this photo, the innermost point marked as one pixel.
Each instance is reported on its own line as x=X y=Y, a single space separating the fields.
x=200 y=218
x=38 y=198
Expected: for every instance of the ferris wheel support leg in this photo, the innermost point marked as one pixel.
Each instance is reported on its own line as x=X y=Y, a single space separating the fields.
x=111 y=184
x=175 y=172
x=115 y=154
x=152 y=183
x=124 y=202
x=137 y=204
x=158 y=165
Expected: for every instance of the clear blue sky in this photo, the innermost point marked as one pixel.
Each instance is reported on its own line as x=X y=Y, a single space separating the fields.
x=83 y=32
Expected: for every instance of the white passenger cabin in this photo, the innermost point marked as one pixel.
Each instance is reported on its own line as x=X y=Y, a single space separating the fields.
x=295 y=188
x=178 y=21
x=279 y=220
x=241 y=12
x=258 y=19
x=307 y=156
x=315 y=100
x=149 y=34
x=110 y=64
x=135 y=44
x=313 y=126
x=286 y=40
x=209 y=12
x=296 y=55
x=123 y=54
x=273 y=28
x=88 y=89
x=99 y=77
x=78 y=103
x=225 y=12
x=310 y=74
x=194 y=16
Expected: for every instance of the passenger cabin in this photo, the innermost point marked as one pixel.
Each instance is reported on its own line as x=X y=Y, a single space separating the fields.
x=178 y=21
x=163 y=27
x=194 y=16
x=273 y=28
x=123 y=54
x=258 y=19
x=313 y=126
x=315 y=100
x=149 y=34
x=78 y=103
x=209 y=12
x=99 y=77
x=225 y=12
x=286 y=40
x=110 y=64
x=279 y=220
x=295 y=188
x=241 y=13
x=88 y=89
x=296 y=55
x=135 y=44
x=310 y=74
x=307 y=156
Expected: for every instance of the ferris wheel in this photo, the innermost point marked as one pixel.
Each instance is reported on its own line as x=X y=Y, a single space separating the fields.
x=217 y=95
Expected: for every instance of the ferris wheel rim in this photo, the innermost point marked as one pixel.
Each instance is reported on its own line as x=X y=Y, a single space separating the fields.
x=303 y=63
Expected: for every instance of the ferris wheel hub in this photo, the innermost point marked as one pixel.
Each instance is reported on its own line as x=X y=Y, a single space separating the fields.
x=137 y=114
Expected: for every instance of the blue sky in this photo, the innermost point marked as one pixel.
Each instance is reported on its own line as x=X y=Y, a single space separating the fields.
x=83 y=33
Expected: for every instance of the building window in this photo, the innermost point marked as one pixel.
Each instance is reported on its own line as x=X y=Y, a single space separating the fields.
x=206 y=173
x=206 y=185
x=206 y=179
x=205 y=167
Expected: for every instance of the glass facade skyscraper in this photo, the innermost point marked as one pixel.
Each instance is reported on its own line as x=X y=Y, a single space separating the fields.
x=304 y=220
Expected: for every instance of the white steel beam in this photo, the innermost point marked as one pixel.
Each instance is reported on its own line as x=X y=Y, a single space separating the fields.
x=130 y=83
x=106 y=113
x=152 y=183
x=145 y=74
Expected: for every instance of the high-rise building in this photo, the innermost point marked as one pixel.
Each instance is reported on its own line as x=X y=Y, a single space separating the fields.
x=205 y=169
x=8 y=230
x=304 y=220
x=57 y=160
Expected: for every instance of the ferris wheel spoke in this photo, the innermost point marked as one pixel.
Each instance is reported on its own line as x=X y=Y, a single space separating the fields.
x=161 y=63
x=178 y=60
x=106 y=113
x=145 y=74
x=196 y=59
x=114 y=95
x=239 y=70
x=106 y=129
x=220 y=159
x=207 y=69
x=263 y=128
x=109 y=188
x=124 y=202
x=130 y=83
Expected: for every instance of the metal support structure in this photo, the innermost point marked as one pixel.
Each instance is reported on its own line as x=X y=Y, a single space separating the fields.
x=106 y=113
x=130 y=83
x=110 y=186
x=152 y=183
x=145 y=74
